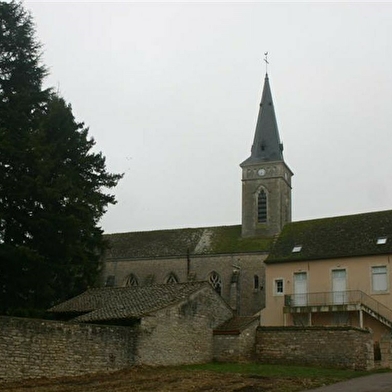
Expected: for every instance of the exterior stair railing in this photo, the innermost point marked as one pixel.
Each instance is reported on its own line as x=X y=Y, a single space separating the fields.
x=351 y=297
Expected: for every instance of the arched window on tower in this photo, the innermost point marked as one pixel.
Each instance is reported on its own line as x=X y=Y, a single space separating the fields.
x=256 y=283
x=216 y=282
x=172 y=278
x=262 y=207
x=131 y=281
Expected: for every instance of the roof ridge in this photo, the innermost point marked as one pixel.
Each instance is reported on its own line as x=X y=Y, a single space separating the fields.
x=340 y=216
x=171 y=229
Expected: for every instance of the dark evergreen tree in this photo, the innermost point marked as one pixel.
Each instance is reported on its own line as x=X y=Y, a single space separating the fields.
x=52 y=186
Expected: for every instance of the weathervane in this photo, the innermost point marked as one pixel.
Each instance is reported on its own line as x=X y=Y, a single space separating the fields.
x=266 y=62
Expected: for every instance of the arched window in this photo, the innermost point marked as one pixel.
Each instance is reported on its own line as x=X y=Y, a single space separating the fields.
x=262 y=207
x=216 y=282
x=256 y=283
x=172 y=278
x=131 y=281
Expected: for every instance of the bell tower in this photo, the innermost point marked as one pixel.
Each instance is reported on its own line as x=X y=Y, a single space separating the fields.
x=266 y=179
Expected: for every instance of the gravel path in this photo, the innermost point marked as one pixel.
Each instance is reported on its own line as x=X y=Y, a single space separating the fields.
x=375 y=383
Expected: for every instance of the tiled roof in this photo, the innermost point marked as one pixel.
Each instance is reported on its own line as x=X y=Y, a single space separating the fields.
x=235 y=325
x=342 y=236
x=180 y=242
x=114 y=303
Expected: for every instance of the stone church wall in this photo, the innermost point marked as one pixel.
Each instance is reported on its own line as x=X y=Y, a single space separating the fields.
x=249 y=300
x=245 y=298
x=40 y=348
x=339 y=347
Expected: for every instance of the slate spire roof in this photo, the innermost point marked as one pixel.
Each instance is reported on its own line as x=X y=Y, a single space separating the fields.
x=266 y=144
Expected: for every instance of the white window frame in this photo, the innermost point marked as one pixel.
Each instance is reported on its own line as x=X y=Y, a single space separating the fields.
x=381 y=240
x=276 y=292
x=383 y=274
x=296 y=249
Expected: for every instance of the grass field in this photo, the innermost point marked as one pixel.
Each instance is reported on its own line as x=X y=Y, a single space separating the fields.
x=197 y=378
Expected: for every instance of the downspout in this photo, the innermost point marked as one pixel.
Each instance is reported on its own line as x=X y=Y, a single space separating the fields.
x=188 y=263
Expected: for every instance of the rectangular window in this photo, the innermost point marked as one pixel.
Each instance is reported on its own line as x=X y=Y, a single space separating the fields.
x=278 y=287
x=379 y=279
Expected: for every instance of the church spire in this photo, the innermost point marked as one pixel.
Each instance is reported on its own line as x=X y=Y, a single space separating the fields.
x=266 y=144
x=266 y=179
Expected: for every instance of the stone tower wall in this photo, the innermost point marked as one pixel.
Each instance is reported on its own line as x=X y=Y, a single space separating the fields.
x=276 y=182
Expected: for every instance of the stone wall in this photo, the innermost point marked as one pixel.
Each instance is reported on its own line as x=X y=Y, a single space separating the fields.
x=175 y=335
x=386 y=351
x=41 y=348
x=182 y=334
x=341 y=347
x=236 y=346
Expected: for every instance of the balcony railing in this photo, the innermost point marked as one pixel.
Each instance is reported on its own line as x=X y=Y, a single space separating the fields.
x=351 y=297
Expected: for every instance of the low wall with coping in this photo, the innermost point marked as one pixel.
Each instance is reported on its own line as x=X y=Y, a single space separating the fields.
x=340 y=347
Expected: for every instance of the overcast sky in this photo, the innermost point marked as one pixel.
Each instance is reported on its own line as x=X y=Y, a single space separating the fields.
x=171 y=93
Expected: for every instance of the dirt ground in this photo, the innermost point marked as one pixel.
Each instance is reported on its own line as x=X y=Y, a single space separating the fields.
x=163 y=380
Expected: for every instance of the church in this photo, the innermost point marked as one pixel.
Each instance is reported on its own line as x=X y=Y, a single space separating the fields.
x=330 y=271
x=231 y=258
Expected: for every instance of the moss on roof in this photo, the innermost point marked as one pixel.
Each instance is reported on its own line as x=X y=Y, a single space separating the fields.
x=116 y=303
x=228 y=239
x=343 y=236
x=180 y=242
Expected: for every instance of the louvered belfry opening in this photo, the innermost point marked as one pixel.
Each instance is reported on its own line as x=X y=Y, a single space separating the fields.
x=262 y=207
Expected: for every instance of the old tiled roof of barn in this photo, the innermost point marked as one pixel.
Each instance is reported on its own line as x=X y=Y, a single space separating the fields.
x=115 y=303
x=179 y=242
x=342 y=236
x=86 y=302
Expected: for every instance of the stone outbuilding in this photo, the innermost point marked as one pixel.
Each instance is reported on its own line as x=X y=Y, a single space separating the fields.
x=173 y=323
